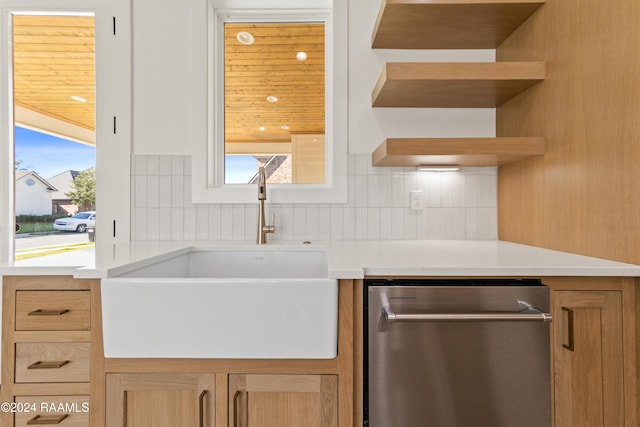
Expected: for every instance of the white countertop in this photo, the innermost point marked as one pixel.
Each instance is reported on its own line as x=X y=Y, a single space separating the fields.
x=356 y=259
x=464 y=258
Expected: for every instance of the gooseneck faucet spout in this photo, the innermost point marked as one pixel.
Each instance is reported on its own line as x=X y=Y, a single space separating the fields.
x=262 y=184
x=263 y=228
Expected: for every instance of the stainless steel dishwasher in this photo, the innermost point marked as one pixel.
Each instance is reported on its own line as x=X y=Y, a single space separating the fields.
x=457 y=353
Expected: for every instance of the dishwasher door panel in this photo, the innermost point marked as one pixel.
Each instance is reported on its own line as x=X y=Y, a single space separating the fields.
x=452 y=373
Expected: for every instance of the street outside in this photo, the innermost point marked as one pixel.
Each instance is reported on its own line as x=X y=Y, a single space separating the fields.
x=54 y=249
x=31 y=241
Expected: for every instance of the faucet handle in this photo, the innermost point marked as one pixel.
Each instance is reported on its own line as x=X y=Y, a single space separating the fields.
x=271 y=228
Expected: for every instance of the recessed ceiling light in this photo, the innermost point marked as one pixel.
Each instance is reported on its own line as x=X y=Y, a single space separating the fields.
x=79 y=98
x=272 y=98
x=262 y=128
x=245 y=37
x=284 y=127
x=301 y=56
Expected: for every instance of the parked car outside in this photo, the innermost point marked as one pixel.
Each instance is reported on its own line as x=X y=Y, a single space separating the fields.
x=78 y=222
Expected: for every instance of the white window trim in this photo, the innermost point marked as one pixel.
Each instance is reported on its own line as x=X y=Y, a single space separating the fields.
x=113 y=95
x=113 y=150
x=7 y=219
x=208 y=174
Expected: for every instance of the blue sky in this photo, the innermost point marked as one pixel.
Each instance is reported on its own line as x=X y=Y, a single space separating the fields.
x=48 y=155
x=239 y=169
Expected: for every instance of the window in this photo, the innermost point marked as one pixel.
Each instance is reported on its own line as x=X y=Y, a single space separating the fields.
x=326 y=149
x=53 y=138
x=274 y=91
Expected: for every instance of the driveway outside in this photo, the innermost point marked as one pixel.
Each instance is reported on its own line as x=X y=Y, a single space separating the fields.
x=31 y=241
x=74 y=258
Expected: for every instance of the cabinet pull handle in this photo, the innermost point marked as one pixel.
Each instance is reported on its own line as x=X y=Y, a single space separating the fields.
x=239 y=417
x=528 y=314
x=54 y=364
x=125 y=408
x=46 y=419
x=567 y=339
x=45 y=312
x=201 y=408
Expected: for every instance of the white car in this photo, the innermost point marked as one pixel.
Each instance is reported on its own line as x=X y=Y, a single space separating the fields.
x=79 y=222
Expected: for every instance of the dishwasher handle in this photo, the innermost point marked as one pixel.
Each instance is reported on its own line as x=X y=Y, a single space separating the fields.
x=528 y=314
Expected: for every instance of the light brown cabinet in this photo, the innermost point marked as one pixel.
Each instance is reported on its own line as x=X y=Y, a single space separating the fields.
x=66 y=411
x=53 y=310
x=160 y=400
x=283 y=400
x=237 y=392
x=594 y=351
x=47 y=344
x=256 y=400
x=52 y=362
x=587 y=354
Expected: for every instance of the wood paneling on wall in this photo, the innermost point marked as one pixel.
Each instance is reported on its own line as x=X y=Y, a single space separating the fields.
x=583 y=196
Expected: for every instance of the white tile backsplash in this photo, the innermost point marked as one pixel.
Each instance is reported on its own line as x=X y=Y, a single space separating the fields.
x=457 y=205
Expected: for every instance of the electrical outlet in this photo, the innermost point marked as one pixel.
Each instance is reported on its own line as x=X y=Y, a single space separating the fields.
x=416 y=200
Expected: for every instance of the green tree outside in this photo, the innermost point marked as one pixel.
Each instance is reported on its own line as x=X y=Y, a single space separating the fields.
x=84 y=190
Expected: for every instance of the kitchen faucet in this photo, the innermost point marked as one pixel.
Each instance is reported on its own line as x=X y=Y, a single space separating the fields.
x=263 y=228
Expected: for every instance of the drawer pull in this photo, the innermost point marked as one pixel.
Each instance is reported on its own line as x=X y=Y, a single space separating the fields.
x=46 y=419
x=42 y=312
x=54 y=364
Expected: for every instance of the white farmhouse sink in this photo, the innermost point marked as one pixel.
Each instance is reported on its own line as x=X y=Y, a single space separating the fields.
x=223 y=304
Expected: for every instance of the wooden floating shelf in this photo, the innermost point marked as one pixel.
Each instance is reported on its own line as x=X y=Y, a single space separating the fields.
x=449 y=24
x=454 y=84
x=456 y=151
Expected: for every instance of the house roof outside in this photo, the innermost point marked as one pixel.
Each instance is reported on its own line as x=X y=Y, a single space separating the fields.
x=20 y=175
x=64 y=184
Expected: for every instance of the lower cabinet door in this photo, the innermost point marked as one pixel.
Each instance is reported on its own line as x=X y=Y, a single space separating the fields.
x=588 y=350
x=65 y=411
x=259 y=400
x=160 y=400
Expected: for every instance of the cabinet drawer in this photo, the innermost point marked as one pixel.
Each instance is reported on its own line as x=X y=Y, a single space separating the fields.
x=53 y=310
x=52 y=362
x=64 y=411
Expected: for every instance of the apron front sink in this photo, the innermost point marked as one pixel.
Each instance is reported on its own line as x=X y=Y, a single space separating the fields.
x=223 y=304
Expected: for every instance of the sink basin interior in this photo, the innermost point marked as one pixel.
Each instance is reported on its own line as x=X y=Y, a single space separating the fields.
x=223 y=304
x=234 y=264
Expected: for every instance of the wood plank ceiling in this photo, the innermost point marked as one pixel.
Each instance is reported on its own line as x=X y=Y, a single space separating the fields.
x=53 y=61
x=269 y=67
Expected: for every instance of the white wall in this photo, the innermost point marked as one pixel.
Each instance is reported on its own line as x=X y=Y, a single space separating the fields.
x=368 y=126
x=166 y=99
x=169 y=75
x=169 y=125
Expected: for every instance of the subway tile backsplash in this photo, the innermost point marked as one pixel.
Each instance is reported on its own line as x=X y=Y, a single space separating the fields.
x=457 y=205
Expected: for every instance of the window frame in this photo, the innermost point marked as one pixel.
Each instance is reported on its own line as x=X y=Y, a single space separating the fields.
x=113 y=90
x=208 y=165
